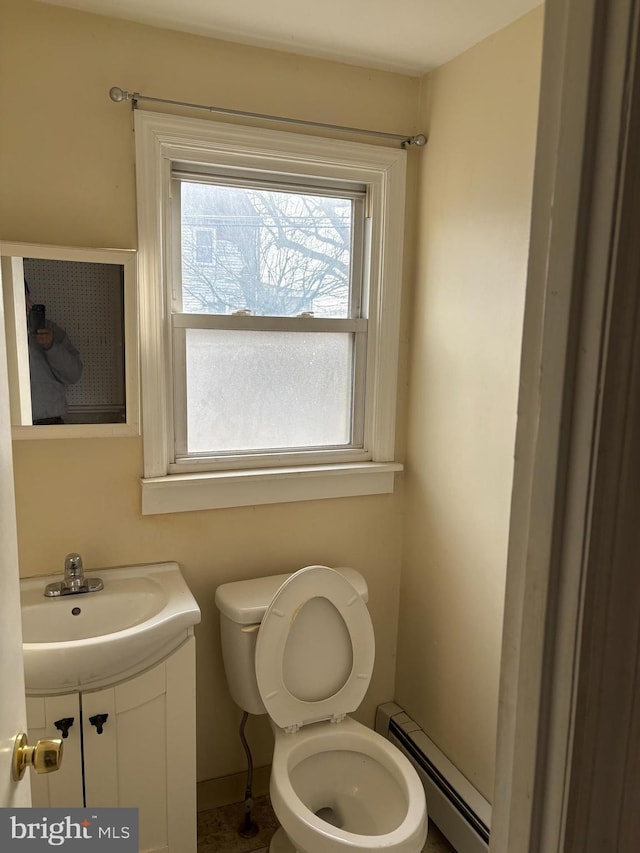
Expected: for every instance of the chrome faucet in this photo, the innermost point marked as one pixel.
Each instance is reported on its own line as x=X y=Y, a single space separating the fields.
x=74 y=580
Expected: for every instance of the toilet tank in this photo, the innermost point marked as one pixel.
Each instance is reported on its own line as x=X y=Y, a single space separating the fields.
x=242 y=604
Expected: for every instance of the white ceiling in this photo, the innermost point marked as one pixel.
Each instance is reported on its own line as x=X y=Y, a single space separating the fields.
x=408 y=36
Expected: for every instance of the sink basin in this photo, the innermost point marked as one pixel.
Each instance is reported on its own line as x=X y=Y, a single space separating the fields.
x=96 y=639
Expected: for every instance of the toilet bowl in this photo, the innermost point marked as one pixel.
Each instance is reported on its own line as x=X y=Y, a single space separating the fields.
x=335 y=784
x=344 y=787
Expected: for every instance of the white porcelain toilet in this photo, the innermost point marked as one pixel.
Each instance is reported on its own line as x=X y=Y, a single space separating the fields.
x=301 y=648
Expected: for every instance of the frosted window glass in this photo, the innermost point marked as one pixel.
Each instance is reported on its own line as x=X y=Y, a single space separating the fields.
x=256 y=390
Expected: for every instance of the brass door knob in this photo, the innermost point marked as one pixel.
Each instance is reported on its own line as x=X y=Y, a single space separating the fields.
x=44 y=756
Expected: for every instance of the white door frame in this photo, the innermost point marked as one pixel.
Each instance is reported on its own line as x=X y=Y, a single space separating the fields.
x=565 y=554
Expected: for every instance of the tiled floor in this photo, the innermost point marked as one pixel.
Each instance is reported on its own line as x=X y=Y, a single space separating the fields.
x=218 y=830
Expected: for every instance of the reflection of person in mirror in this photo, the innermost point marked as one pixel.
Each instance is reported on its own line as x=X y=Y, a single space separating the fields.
x=54 y=363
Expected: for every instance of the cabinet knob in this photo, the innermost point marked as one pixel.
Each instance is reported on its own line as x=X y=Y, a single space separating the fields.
x=44 y=756
x=98 y=720
x=64 y=725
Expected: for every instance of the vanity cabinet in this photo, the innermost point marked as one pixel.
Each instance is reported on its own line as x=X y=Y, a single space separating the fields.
x=129 y=745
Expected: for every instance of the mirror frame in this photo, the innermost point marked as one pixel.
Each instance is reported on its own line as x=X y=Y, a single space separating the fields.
x=17 y=355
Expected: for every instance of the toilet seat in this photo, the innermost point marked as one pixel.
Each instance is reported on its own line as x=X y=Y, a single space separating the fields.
x=278 y=675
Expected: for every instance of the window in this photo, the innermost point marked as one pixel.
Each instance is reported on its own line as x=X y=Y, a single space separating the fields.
x=269 y=341
x=270 y=274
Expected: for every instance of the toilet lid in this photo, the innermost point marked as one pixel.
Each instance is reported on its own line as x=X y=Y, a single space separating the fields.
x=315 y=649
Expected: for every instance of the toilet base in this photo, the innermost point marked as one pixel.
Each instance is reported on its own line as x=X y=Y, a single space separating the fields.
x=280 y=843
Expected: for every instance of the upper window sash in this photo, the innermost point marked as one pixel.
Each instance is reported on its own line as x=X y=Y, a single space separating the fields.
x=359 y=236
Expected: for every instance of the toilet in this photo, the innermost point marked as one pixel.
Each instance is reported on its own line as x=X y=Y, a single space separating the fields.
x=301 y=649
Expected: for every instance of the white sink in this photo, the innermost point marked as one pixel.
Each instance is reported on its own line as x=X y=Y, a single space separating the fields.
x=95 y=639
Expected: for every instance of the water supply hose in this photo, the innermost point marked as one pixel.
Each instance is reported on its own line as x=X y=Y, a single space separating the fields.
x=248 y=828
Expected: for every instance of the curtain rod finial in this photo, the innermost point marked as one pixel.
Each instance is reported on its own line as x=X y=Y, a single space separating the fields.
x=117 y=94
x=419 y=140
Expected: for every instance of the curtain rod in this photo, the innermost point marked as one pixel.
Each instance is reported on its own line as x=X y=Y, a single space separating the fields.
x=117 y=94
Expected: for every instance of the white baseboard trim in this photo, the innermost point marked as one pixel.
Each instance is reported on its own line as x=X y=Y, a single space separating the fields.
x=460 y=812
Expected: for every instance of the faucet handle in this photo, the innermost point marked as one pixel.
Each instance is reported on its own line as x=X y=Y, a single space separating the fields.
x=73 y=565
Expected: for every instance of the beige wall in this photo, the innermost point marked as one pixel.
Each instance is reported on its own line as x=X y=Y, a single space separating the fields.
x=473 y=223
x=67 y=177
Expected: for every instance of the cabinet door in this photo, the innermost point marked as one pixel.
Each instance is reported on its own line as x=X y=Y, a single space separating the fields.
x=126 y=764
x=145 y=757
x=62 y=789
x=100 y=745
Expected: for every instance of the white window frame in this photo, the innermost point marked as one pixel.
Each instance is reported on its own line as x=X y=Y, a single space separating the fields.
x=354 y=324
x=164 y=140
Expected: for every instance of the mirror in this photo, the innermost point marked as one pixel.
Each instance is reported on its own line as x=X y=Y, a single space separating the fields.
x=70 y=317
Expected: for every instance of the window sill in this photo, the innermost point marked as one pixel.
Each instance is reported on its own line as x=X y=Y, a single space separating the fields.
x=216 y=490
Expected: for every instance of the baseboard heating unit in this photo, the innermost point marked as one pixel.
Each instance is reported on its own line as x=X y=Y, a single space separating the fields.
x=459 y=811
